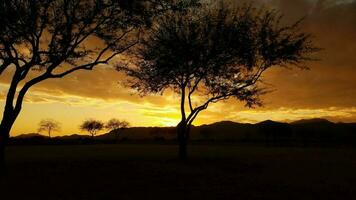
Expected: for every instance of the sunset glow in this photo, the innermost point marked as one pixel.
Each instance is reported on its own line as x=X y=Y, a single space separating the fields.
x=327 y=90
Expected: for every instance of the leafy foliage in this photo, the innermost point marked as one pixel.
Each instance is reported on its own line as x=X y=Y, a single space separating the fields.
x=49 y=125
x=48 y=39
x=217 y=53
x=92 y=126
x=115 y=124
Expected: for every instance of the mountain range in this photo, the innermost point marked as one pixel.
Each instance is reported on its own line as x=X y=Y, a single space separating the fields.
x=302 y=131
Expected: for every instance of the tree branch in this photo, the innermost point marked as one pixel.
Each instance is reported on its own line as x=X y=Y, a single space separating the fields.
x=192 y=90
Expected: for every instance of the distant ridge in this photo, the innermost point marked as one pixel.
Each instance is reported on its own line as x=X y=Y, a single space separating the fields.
x=29 y=135
x=73 y=136
x=224 y=123
x=269 y=122
x=313 y=121
x=302 y=131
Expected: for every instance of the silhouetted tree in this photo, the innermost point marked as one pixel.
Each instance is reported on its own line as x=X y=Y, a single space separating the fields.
x=92 y=126
x=50 y=39
x=49 y=125
x=117 y=126
x=217 y=53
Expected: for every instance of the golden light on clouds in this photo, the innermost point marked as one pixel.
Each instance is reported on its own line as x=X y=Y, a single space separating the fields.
x=328 y=90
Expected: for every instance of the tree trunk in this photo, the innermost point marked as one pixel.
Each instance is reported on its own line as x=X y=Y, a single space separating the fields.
x=10 y=114
x=183 y=154
x=4 y=136
x=182 y=140
x=2 y=156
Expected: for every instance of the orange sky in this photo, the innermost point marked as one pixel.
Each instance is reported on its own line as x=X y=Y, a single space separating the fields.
x=328 y=90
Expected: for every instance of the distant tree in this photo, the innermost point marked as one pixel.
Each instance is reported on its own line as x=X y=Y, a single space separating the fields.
x=49 y=125
x=117 y=126
x=92 y=126
x=51 y=39
x=215 y=53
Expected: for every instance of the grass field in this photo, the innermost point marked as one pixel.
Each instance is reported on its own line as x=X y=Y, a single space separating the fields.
x=152 y=172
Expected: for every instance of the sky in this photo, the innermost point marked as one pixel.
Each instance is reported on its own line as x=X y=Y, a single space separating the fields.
x=327 y=90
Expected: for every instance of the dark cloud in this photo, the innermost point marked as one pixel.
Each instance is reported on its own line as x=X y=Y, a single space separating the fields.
x=332 y=80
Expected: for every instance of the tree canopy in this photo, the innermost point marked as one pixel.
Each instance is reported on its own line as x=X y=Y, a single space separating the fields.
x=49 y=39
x=221 y=51
x=92 y=126
x=116 y=124
x=49 y=125
x=215 y=53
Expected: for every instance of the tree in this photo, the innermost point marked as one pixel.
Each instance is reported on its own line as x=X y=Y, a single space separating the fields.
x=117 y=126
x=92 y=126
x=49 y=125
x=215 y=53
x=51 y=39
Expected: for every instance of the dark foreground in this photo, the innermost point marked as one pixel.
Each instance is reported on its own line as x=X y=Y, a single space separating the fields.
x=150 y=172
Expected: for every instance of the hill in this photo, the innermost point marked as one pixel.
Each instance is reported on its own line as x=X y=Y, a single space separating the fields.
x=29 y=135
x=305 y=132
x=313 y=121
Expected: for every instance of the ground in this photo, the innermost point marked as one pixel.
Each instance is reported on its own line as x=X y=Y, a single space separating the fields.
x=143 y=171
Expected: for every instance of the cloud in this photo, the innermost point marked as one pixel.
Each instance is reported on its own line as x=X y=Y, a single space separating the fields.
x=328 y=89
x=288 y=114
x=330 y=81
x=102 y=83
x=336 y=114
